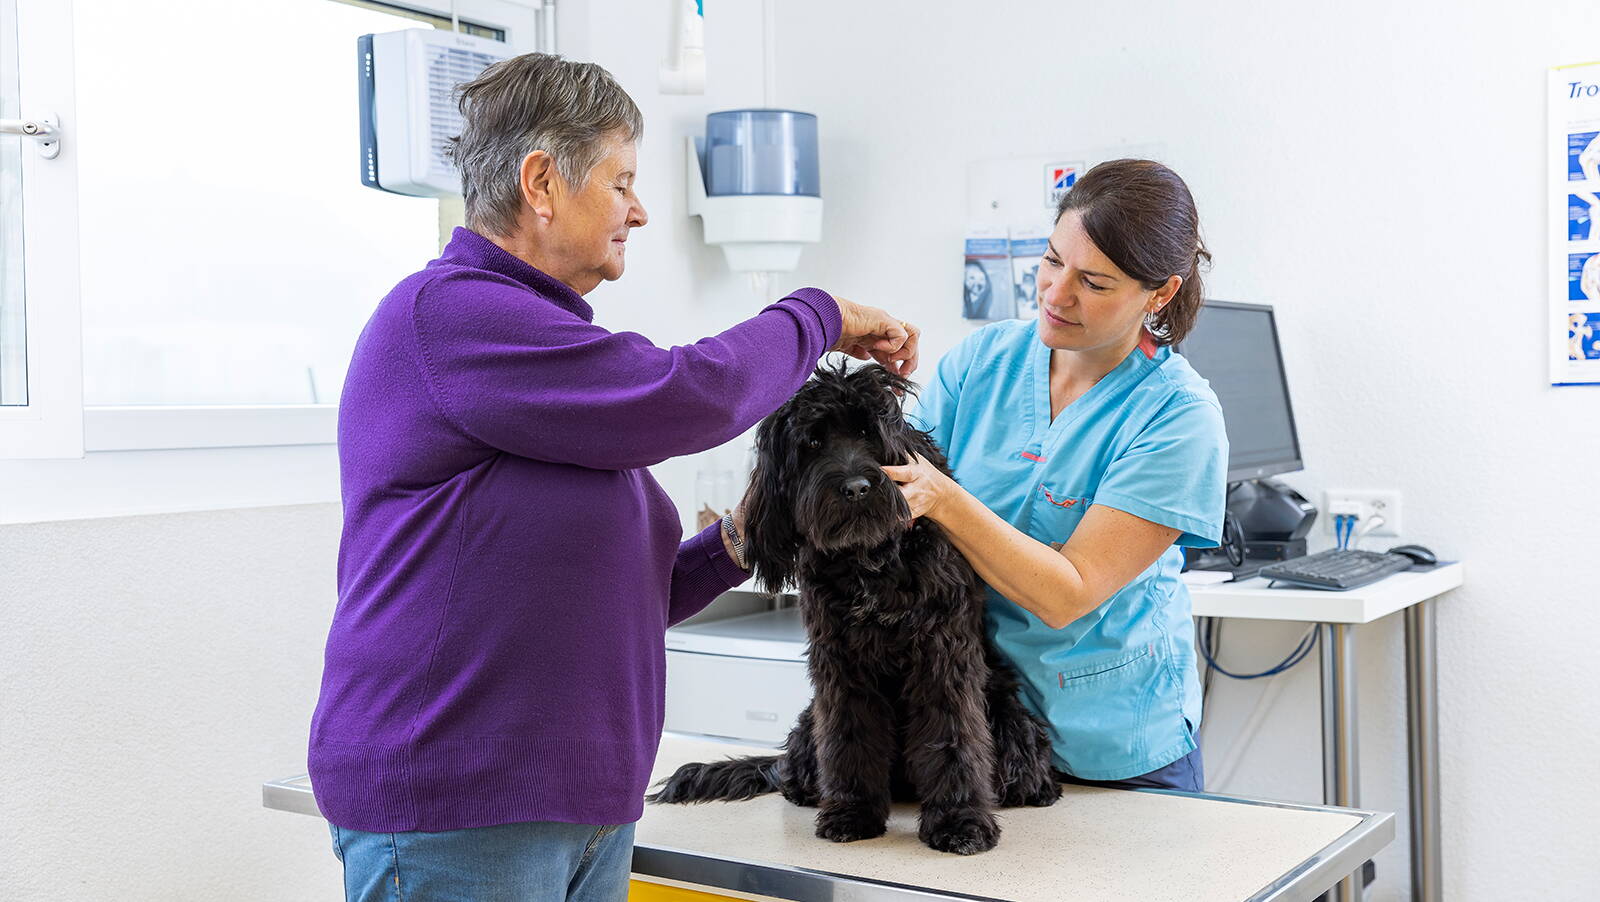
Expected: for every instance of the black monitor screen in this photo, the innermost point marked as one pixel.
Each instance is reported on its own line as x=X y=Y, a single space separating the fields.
x=1235 y=347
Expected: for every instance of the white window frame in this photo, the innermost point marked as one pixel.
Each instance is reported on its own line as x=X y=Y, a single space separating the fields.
x=51 y=423
x=159 y=428
x=155 y=458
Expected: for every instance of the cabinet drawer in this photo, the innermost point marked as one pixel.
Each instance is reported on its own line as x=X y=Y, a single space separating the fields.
x=742 y=698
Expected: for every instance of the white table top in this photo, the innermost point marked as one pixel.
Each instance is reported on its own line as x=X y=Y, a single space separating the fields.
x=1253 y=599
x=1094 y=844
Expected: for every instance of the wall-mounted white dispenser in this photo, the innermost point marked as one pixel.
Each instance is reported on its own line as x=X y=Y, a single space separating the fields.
x=684 y=72
x=753 y=181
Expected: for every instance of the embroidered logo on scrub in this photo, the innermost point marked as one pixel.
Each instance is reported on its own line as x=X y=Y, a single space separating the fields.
x=1065 y=502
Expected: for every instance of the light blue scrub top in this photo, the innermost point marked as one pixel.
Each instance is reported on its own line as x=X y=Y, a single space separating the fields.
x=1118 y=686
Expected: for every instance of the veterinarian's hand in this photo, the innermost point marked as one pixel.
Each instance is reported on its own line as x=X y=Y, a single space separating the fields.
x=871 y=333
x=924 y=487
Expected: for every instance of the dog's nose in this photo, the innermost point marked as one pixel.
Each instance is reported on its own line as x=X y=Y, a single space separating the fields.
x=856 y=488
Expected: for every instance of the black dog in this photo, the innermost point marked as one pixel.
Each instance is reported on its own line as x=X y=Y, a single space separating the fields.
x=910 y=701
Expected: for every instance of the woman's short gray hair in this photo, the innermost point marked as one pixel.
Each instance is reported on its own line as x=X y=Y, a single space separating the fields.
x=536 y=101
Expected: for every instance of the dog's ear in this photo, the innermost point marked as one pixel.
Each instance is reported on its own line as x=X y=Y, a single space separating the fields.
x=886 y=392
x=771 y=540
x=922 y=443
x=885 y=380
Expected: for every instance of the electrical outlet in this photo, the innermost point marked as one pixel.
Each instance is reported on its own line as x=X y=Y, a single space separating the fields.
x=1364 y=505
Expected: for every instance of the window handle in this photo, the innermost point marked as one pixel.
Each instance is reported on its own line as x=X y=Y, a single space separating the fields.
x=44 y=129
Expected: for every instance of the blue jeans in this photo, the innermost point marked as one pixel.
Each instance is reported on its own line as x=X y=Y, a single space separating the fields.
x=536 y=862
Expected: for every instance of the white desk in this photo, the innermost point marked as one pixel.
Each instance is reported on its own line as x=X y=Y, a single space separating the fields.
x=1337 y=613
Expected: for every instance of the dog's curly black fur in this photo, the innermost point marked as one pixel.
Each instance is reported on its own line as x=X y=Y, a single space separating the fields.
x=911 y=702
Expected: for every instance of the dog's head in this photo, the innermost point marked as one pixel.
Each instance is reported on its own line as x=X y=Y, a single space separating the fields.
x=818 y=480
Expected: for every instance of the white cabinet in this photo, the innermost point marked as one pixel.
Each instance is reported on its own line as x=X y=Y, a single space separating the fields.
x=740 y=677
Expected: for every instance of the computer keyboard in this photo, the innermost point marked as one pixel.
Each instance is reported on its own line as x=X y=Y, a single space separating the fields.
x=1338 y=569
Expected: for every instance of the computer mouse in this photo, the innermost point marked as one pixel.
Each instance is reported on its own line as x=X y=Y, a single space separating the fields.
x=1417 y=553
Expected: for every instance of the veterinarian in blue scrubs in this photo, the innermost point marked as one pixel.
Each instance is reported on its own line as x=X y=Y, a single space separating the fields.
x=1086 y=452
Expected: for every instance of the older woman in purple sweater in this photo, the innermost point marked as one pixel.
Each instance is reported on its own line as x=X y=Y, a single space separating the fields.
x=493 y=690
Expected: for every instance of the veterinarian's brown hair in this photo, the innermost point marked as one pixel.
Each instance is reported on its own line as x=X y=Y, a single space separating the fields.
x=1140 y=214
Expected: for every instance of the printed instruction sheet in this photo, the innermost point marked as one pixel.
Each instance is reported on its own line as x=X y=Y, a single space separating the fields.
x=1574 y=284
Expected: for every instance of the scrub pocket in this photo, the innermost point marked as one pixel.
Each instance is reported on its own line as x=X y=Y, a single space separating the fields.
x=1111 y=713
x=1056 y=513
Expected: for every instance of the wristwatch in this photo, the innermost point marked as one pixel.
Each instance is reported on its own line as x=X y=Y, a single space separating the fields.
x=734 y=540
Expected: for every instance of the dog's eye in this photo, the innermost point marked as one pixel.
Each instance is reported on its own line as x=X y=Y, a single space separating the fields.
x=814 y=443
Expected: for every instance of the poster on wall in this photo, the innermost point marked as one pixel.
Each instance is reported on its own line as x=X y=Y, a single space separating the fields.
x=986 y=293
x=1027 y=248
x=1574 y=312
x=1011 y=210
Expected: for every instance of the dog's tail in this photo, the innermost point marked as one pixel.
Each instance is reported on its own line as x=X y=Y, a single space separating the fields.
x=733 y=780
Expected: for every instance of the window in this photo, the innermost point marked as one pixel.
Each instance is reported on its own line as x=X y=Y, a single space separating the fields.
x=230 y=254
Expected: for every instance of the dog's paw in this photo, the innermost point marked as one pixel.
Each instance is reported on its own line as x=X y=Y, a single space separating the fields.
x=1033 y=794
x=800 y=795
x=848 y=823
x=1044 y=795
x=966 y=831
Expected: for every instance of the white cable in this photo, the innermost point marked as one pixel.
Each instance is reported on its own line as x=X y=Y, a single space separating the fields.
x=1373 y=522
x=1218 y=780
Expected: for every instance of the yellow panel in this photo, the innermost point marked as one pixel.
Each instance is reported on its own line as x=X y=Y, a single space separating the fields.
x=640 y=891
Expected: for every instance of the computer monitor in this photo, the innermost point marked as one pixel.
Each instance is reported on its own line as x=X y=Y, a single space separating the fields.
x=1235 y=348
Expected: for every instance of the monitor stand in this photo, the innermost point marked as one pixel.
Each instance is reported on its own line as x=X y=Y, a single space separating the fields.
x=1274 y=519
x=1214 y=560
x=1272 y=516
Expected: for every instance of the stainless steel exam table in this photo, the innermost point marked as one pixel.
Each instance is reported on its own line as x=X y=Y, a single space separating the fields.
x=1095 y=844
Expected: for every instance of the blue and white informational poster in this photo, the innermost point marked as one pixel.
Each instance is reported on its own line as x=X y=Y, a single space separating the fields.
x=986 y=284
x=1027 y=247
x=1583 y=336
x=1581 y=211
x=1574 y=279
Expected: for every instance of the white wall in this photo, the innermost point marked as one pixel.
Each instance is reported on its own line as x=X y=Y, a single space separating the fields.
x=153 y=671
x=1375 y=172
x=676 y=289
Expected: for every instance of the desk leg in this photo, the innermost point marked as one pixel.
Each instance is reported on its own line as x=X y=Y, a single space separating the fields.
x=1422 y=728
x=1340 y=773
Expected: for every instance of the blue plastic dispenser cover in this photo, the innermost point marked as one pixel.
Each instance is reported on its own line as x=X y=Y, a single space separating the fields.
x=761 y=152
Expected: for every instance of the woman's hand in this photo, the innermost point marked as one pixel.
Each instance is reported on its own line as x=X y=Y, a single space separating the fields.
x=925 y=488
x=868 y=332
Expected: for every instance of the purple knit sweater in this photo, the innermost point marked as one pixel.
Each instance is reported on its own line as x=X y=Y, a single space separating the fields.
x=508 y=567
